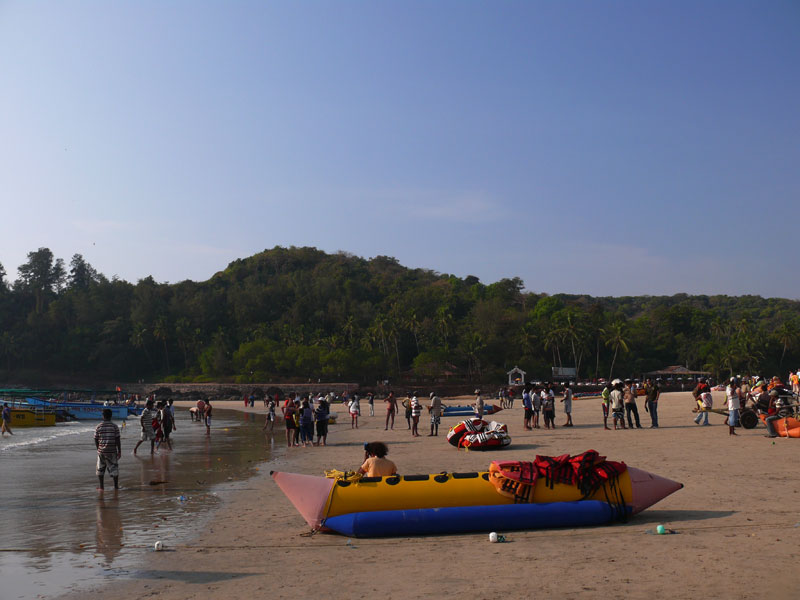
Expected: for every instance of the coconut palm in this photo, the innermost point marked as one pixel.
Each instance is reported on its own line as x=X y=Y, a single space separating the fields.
x=615 y=337
x=788 y=336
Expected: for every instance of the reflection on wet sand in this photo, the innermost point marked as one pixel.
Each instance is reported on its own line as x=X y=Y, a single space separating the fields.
x=108 y=537
x=51 y=507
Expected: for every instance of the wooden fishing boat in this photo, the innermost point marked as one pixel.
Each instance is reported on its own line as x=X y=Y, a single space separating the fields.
x=32 y=417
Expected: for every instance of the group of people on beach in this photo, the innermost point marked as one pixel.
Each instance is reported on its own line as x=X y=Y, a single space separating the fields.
x=539 y=405
x=413 y=411
x=619 y=398
x=302 y=416
x=770 y=399
x=158 y=422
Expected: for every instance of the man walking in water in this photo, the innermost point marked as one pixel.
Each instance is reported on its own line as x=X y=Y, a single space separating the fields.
x=6 y=427
x=208 y=416
x=109 y=449
x=146 y=421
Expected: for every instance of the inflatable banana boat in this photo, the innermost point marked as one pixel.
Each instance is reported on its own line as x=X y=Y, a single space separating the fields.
x=564 y=491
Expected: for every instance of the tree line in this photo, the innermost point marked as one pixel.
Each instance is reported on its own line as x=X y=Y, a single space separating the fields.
x=299 y=313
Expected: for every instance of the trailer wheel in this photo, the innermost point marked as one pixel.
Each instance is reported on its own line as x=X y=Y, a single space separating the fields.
x=749 y=419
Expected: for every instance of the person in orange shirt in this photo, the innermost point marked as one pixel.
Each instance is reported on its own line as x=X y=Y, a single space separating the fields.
x=794 y=378
x=375 y=462
x=775 y=383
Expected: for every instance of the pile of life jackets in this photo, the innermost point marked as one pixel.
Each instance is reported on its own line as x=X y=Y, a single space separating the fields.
x=477 y=434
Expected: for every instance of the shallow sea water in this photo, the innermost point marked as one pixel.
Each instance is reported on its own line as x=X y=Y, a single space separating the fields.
x=58 y=533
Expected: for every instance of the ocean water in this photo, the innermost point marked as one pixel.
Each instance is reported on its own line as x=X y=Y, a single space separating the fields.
x=58 y=533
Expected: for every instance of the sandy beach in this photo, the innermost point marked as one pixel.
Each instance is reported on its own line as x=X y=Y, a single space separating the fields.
x=734 y=520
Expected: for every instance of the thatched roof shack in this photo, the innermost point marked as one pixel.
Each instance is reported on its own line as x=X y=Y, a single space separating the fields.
x=677 y=371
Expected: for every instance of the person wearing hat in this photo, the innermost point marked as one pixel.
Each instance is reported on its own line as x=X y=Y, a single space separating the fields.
x=435 y=409
x=617 y=404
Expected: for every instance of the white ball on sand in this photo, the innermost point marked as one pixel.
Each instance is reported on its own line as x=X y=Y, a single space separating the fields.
x=493 y=537
x=158 y=546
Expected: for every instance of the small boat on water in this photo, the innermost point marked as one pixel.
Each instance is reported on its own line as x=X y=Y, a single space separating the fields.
x=69 y=405
x=81 y=411
x=22 y=416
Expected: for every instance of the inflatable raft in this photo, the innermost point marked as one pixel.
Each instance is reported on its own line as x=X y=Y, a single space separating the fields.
x=477 y=434
x=469 y=411
x=549 y=491
x=787 y=427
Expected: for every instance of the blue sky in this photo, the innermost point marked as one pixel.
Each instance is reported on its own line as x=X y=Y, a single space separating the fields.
x=609 y=148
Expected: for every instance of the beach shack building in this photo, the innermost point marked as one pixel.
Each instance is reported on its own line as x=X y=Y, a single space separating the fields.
x=516 y=376
x=677 y=372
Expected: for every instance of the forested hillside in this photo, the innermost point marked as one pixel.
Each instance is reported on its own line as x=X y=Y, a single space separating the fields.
x=299 y=313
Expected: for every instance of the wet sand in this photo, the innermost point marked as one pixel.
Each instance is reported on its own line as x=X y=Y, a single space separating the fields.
x=735 y=517
x=58 y=532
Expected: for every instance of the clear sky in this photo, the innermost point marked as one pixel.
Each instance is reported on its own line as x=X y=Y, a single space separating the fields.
x=609 y=148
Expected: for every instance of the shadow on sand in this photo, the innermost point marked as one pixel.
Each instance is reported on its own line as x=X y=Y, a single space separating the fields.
x=202 y=577
x=673 y=516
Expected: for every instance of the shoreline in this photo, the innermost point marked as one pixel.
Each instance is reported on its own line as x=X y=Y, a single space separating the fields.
x=256 y=533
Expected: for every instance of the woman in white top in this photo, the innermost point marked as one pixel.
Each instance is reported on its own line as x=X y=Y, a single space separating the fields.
x=734 y=404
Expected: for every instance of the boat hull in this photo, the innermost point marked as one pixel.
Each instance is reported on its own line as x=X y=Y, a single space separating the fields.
x=82 y=411
x=319 y=499
x=470 y=519
x=21 y=417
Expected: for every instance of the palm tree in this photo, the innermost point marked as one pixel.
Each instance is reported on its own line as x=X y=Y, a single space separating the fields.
x=615 y=336
x=9 y=345
x=414 y=326
x=161 y=332
x=574 y=333
x=183 y=333
x=719 y=328
x=138 y=339
x=788 y=335
x=393 y=332
x=349 y=329
x=473 y=345
x=444 y=320
x=527 y=337
x=552 y=338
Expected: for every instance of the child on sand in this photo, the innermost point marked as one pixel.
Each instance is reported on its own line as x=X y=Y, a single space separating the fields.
x=375 y=463
x=416 y=411
x=355 y=411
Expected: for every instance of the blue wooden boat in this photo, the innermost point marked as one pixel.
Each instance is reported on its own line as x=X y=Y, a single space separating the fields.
x=81 y=411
